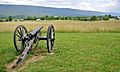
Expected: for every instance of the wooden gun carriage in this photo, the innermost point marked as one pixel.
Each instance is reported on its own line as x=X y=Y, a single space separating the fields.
x=24 y=41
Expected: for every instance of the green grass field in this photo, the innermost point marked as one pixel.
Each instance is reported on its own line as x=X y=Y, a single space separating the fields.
x=74 y=52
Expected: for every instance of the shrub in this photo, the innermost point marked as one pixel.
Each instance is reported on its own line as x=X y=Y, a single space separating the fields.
x=106 y=18
x=94 y=18
x=1 y=20
x=9 y=18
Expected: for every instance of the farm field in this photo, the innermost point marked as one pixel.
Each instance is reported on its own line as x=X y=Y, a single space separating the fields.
x=74 y=52
x=65 y=25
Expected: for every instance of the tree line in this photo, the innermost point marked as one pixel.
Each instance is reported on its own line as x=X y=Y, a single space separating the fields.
x=80 y=18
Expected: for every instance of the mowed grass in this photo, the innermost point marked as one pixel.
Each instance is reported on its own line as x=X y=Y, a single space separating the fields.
x=74 y=52
x=7 y=51
x=65 y=25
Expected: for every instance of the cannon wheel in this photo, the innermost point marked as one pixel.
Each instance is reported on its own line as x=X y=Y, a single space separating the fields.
x=19 y=38
x=36 y=41
x=50 y=38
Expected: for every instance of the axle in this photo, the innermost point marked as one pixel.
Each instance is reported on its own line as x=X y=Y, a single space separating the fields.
x=42 y=37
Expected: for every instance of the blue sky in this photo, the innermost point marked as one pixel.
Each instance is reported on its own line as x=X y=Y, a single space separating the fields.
x=93 y=5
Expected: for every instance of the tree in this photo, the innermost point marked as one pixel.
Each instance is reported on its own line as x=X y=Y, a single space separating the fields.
x=106 y=17
x=110 y=16
x=52 y=18
x=94 y=18
x=34 y=18
x=42 y=18
x=46 y=17
x=28 y=18
x=9 y=18
x=31 y=18
x=1 y=20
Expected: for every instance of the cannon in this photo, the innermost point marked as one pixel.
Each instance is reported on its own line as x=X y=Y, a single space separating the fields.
x=24 y=41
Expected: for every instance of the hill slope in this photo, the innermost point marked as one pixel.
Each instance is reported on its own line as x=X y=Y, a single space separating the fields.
x=18 y=10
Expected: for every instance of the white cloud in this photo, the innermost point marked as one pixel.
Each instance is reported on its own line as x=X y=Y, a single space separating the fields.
x=96 y=5
x=59 y=2
x=83 y=6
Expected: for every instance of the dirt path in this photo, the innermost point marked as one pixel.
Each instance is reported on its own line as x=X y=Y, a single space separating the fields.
x=38 y=54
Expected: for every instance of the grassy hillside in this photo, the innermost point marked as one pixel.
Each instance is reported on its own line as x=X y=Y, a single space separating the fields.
x=65 y=26
x=75 y=52
x=25 y=10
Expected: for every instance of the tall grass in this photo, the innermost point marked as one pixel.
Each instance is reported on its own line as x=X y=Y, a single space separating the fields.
x=65 y=26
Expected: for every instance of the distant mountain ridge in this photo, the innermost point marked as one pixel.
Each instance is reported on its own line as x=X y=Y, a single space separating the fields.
x=24 y=10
